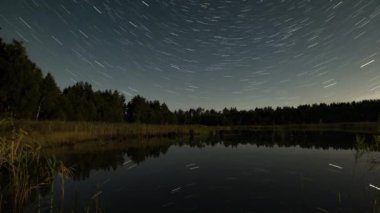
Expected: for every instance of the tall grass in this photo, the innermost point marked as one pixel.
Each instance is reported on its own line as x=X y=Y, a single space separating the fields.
x=23 y=171
x=53 y=133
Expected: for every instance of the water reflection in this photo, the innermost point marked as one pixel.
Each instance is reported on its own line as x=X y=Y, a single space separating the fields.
x=107 y=156
x=235 y=171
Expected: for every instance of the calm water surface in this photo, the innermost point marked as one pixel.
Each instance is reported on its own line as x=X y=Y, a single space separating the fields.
x=310 y=172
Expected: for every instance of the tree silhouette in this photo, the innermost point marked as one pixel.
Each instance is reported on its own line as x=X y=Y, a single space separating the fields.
x=50 y=100
x=26 y=94
x=20 y=81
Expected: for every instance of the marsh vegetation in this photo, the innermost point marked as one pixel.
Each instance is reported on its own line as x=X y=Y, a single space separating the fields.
x=24 y=171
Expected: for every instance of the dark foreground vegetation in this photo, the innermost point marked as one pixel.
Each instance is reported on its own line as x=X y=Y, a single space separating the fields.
x=24 y=172
x=25 y=93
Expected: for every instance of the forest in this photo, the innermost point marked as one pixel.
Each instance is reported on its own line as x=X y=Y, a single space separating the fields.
x=27 y=93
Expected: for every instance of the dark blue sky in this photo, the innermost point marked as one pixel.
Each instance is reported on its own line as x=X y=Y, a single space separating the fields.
x=212 y=54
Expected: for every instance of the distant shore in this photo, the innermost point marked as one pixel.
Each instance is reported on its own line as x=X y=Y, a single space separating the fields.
x=57 y=133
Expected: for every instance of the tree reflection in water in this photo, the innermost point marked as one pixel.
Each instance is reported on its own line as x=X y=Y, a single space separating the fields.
x=109 y=155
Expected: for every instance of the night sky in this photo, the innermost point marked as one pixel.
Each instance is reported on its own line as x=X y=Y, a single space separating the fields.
x=212 y=54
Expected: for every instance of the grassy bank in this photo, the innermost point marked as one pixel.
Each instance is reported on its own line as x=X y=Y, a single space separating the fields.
x=51 y=133
x=56 y=133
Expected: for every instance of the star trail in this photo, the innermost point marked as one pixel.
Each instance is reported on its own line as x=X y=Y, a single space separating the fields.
x=211 y=54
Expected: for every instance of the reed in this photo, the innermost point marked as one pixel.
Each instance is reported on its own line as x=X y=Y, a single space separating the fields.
x=23 y=171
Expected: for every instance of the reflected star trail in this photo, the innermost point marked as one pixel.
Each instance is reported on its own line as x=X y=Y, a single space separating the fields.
x=211 y=54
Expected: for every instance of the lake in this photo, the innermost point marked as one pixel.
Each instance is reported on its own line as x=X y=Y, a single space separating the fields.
x=254 y=172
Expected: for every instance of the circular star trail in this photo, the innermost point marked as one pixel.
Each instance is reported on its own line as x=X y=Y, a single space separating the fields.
x=209 y=54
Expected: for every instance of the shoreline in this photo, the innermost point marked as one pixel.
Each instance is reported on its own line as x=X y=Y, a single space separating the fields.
x=57 y=133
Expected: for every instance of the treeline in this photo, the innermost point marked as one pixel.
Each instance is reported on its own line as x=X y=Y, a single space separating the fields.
x=364 y=111
x=26 y=94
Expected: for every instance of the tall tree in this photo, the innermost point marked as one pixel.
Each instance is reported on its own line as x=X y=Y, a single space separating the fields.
x=49 y=106
x=110 y=106
x=19 y=82
x=138 y=110
x=80 y=102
